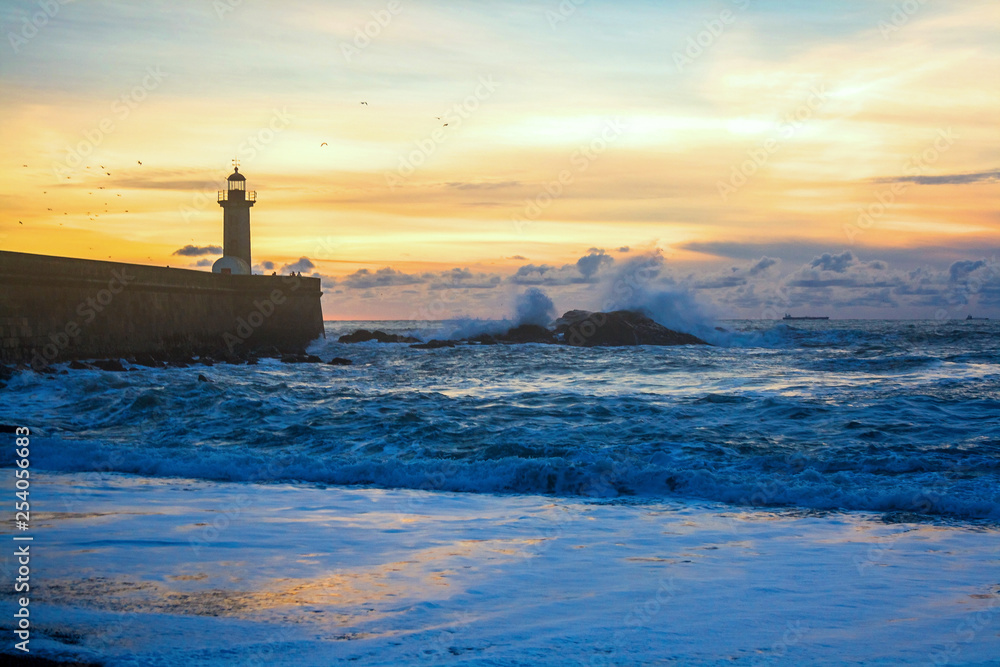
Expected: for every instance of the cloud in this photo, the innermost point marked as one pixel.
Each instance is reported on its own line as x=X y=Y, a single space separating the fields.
x=519 y=258
x=204 y=262
x=837 y=263
x=303 y=264
x=589 y=265
x=464 y=279
x=961 y=270
x=462 y=185
x=946 y=179
x=624 y=248
x=762 y=265
x=198 y=251
x=384 y=277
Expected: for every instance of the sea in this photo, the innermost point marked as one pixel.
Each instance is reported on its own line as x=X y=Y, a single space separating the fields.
x=795 y=493
x=880 y=416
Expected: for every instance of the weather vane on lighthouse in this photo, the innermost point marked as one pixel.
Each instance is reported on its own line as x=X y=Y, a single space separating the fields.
x=236 y=203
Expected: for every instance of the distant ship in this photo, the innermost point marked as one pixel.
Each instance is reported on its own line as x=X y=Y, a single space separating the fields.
x=970 y=317
x=789 y=317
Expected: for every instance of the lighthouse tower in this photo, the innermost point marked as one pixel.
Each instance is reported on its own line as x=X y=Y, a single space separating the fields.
x=235 y=203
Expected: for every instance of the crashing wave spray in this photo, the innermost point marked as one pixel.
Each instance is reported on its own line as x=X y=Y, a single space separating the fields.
x=533 y=306
x=637 y=285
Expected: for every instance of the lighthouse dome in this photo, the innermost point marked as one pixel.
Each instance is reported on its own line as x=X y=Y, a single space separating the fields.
x=236 y=175
x=236 y=266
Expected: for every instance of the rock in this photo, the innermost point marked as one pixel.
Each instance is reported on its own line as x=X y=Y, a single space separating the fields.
x=147 y=360
x=300 y=358
x=109 y=365
x=617 y=328
x=433 y=344
x=483 y=339
x=339 y=361
x=202 y=378
x=80 y=366
x=571 y=317
x=363 y=335
x=527 y=333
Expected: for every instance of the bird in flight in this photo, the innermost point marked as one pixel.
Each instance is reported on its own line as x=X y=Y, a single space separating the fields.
x=139 y=161
x=365 y=103
x=323 y=144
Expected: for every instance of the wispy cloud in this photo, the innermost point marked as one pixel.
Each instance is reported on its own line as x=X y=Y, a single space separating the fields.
x=945 y=179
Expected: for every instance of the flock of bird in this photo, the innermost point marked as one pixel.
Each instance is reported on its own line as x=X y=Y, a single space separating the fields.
x=95 y=215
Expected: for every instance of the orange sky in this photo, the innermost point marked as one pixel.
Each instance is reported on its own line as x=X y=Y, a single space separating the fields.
x=777 y=134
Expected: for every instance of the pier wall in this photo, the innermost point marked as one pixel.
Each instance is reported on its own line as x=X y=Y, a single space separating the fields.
x=58 y=308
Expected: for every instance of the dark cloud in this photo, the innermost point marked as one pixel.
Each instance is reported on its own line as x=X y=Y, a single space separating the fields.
x=519 y=258
x=385 y=277
x=303 y=264
x=946 y=179
x=198 y=251
x=464 y=279
x=793 y=252
x=204 y=262
x=762 y=265
x=961 y=270
x=836 y=263
x=589 y=265
x=529 y=274
x=624 y=248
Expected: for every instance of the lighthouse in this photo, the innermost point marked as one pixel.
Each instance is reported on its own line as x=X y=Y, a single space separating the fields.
x=236 y=203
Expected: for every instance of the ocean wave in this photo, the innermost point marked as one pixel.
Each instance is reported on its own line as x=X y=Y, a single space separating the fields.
x=881 y=483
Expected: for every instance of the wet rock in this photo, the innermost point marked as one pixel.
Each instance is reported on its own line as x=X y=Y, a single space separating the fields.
x=147 y=360
x=483 y=339
x=339 y=361
x=527 y=333
x=109 y=365
x=617 y=328
x=202 y=378
x=363 y=335
x=80 y=366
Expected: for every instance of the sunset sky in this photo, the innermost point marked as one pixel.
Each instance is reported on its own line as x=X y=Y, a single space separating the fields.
x=836 y=158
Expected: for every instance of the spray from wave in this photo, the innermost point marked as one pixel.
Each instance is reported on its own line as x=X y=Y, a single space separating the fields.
x=533 y=306
x=639 y=284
